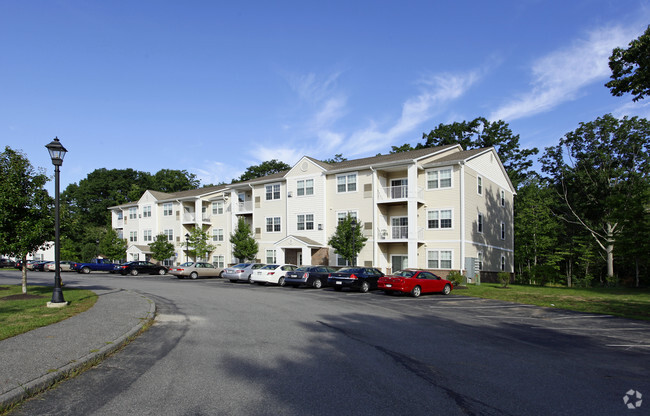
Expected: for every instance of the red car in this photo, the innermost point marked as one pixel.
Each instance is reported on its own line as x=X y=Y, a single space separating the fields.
x=414 y=282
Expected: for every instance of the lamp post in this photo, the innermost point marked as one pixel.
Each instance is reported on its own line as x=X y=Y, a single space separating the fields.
x=57 y=153
x=187 y=247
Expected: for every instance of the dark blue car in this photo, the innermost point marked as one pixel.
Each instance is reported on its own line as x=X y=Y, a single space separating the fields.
x=360 y=278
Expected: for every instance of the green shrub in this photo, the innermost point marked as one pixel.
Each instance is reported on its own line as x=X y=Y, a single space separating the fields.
x=456 y=278
x=504 y=278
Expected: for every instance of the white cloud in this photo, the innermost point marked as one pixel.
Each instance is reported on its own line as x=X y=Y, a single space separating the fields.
x=639 y=108
x=560 y=76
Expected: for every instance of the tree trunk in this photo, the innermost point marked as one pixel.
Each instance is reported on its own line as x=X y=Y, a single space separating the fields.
x=24 y=270
x=610 y=251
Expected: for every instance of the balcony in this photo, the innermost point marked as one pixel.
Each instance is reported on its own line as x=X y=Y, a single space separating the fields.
x=399 y=193
x=245 y=207
x=397 y=234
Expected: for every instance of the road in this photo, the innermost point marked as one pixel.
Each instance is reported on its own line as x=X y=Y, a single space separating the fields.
x=236 y=349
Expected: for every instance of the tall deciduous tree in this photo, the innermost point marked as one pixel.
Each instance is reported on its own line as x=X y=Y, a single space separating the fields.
x=26 y=218
x=348 y=239
x=263 y=169
x=631 y=68
x=199 y=243
x=112 y=246
x=601 y=171
x=244 y=246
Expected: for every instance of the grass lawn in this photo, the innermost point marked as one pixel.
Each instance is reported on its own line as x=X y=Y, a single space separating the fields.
x=624 y=302
x=21 y=313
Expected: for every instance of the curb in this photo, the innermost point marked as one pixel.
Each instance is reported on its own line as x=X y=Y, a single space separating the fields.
x=20 y=393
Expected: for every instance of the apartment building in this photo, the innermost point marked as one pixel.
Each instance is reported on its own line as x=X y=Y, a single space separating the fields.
x=438 y=208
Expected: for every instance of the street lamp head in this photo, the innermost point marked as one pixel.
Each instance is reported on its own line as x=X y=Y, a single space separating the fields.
x=57 y=152
x=187 y=236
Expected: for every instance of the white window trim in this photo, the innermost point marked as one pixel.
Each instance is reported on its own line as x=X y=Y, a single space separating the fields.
x=350 y=211
x=273 y=185
x=502 y=196
x=439 y=219
x=503 y=231
x=479 y=185
x=304 y=187
x=480 y=259
x=217 y=235
x=451 y=179
x=272 y=224
x=345 y=175
x=169 y=233
x=216 y=207
x=168 y=212
x=503 y=263
x=313 y=221
x=439 y=250
x=274 y=254
x=480 y=223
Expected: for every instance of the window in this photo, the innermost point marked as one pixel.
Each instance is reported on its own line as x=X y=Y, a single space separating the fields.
x=503 y=198
x=170 y=234
x=218 y=261
x=305 y=222
x=503 y=263
x=217 y=234
x=273 y=225
x=346 y=183
x=146 y=211
x=439 y=219
x=305 y=187
x=217 y=208
x=272 y=191
x=479 y=255
x=479 y=223
x=439 y=179
x=439 y=259
x=167 y=209
x=479 y=185
x=147 y=236
x=341 y=261
x=270 y=257
x=133 y=213
x=399 y=227
x=120 y=215
x=503 y=230
x=133 y=236
x=341 y=216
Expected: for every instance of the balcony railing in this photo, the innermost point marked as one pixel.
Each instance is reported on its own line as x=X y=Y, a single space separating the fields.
x=398 y=192
x=242 y=207
x=397 y=233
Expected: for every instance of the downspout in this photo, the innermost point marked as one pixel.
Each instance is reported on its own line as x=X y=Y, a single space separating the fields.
x=462 y=217
x=374 y=216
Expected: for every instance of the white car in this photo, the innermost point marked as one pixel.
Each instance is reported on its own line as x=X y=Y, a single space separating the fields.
x=272 y=273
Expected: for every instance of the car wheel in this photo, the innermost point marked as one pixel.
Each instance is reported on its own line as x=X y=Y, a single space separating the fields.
x=134 y=272
x=162 y=271
x=338 y=288
x=85 y=270
x=417 y=290
x=446 y=290
x=365 y=287
x=317 y=284
x=194 y=275
x=250 y=279
x=281 y=281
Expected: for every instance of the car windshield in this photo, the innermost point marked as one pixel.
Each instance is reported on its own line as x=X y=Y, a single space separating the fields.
x=303 y=269
x=404 y=273
x=270 y=267
x=241 y=265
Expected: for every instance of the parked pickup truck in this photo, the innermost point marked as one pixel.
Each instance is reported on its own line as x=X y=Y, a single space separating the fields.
x=96 y=265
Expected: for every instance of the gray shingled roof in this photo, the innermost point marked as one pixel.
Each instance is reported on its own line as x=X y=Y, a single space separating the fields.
x=381 y=159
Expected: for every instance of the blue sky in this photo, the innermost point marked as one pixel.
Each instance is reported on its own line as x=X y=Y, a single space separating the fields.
x=213 y=87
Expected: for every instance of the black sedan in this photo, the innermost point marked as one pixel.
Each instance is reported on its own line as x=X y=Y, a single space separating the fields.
x=136 y=267
x=314 y=276
x=361 y=278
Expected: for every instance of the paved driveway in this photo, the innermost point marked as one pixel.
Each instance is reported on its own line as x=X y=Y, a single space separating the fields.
x=238 y=349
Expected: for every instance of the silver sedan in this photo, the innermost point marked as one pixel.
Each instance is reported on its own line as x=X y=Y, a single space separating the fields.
x=195 y=269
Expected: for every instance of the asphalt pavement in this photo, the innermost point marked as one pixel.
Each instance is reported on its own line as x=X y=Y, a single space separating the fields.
x=33 y=361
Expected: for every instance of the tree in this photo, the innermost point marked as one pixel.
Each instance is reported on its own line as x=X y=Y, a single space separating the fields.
x=244 y=245
x=348 y=240
x=631 y=68
x=199 y=241
x=168 y=180
x=336 y=159
x=263 y=169
x=26 y=220
x=604 y=179
x=161 y=248
x=112 y=246
x=480 y=133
